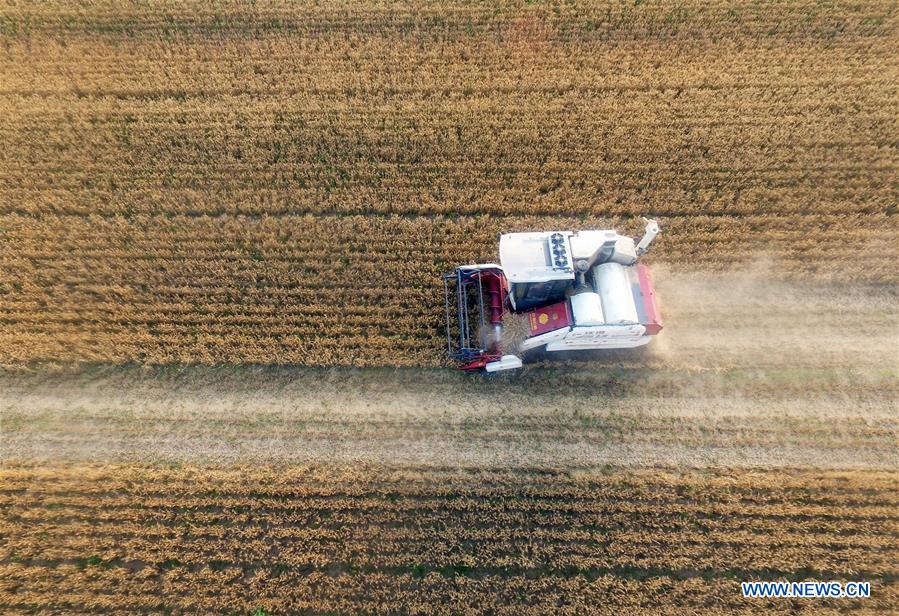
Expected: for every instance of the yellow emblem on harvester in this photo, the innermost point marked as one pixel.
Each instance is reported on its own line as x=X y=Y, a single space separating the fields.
x=544 y=318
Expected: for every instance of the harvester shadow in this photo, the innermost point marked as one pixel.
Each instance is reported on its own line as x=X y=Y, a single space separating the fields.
x=588 y=357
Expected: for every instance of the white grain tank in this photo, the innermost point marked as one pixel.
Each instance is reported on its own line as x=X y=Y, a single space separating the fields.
x=586 y=308
x=614 y=288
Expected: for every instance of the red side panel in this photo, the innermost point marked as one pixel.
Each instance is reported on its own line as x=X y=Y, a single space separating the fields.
x=549 y=318
x=653 y=322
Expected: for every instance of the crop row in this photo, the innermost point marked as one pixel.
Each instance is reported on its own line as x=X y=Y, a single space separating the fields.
x=308 y=484
x=62 y=530
x=434 y=236
x=299 y=480
x=664 y=171
x=414 y=590
x=238 y=528
x=356 y=290
x=448 y=20
x=341 y=522
x=590 y=510
x=527 y=119
x=515 y=558
x=275 y=494
x=143 y=538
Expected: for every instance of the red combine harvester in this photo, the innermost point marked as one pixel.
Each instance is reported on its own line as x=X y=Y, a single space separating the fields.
x=578 y=290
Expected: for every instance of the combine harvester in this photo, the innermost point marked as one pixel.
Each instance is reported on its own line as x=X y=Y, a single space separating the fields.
x=578 y=290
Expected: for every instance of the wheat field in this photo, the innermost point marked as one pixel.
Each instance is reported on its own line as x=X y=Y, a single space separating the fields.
x=222 y=377
x=280 y=183
x=130 y=539
x=757 y=441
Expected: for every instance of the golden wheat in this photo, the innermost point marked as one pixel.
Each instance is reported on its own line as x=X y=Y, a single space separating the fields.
x=276 y=183
x=146 y=538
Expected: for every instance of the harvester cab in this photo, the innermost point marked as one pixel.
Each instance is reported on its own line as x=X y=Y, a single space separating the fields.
x=576 y=290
